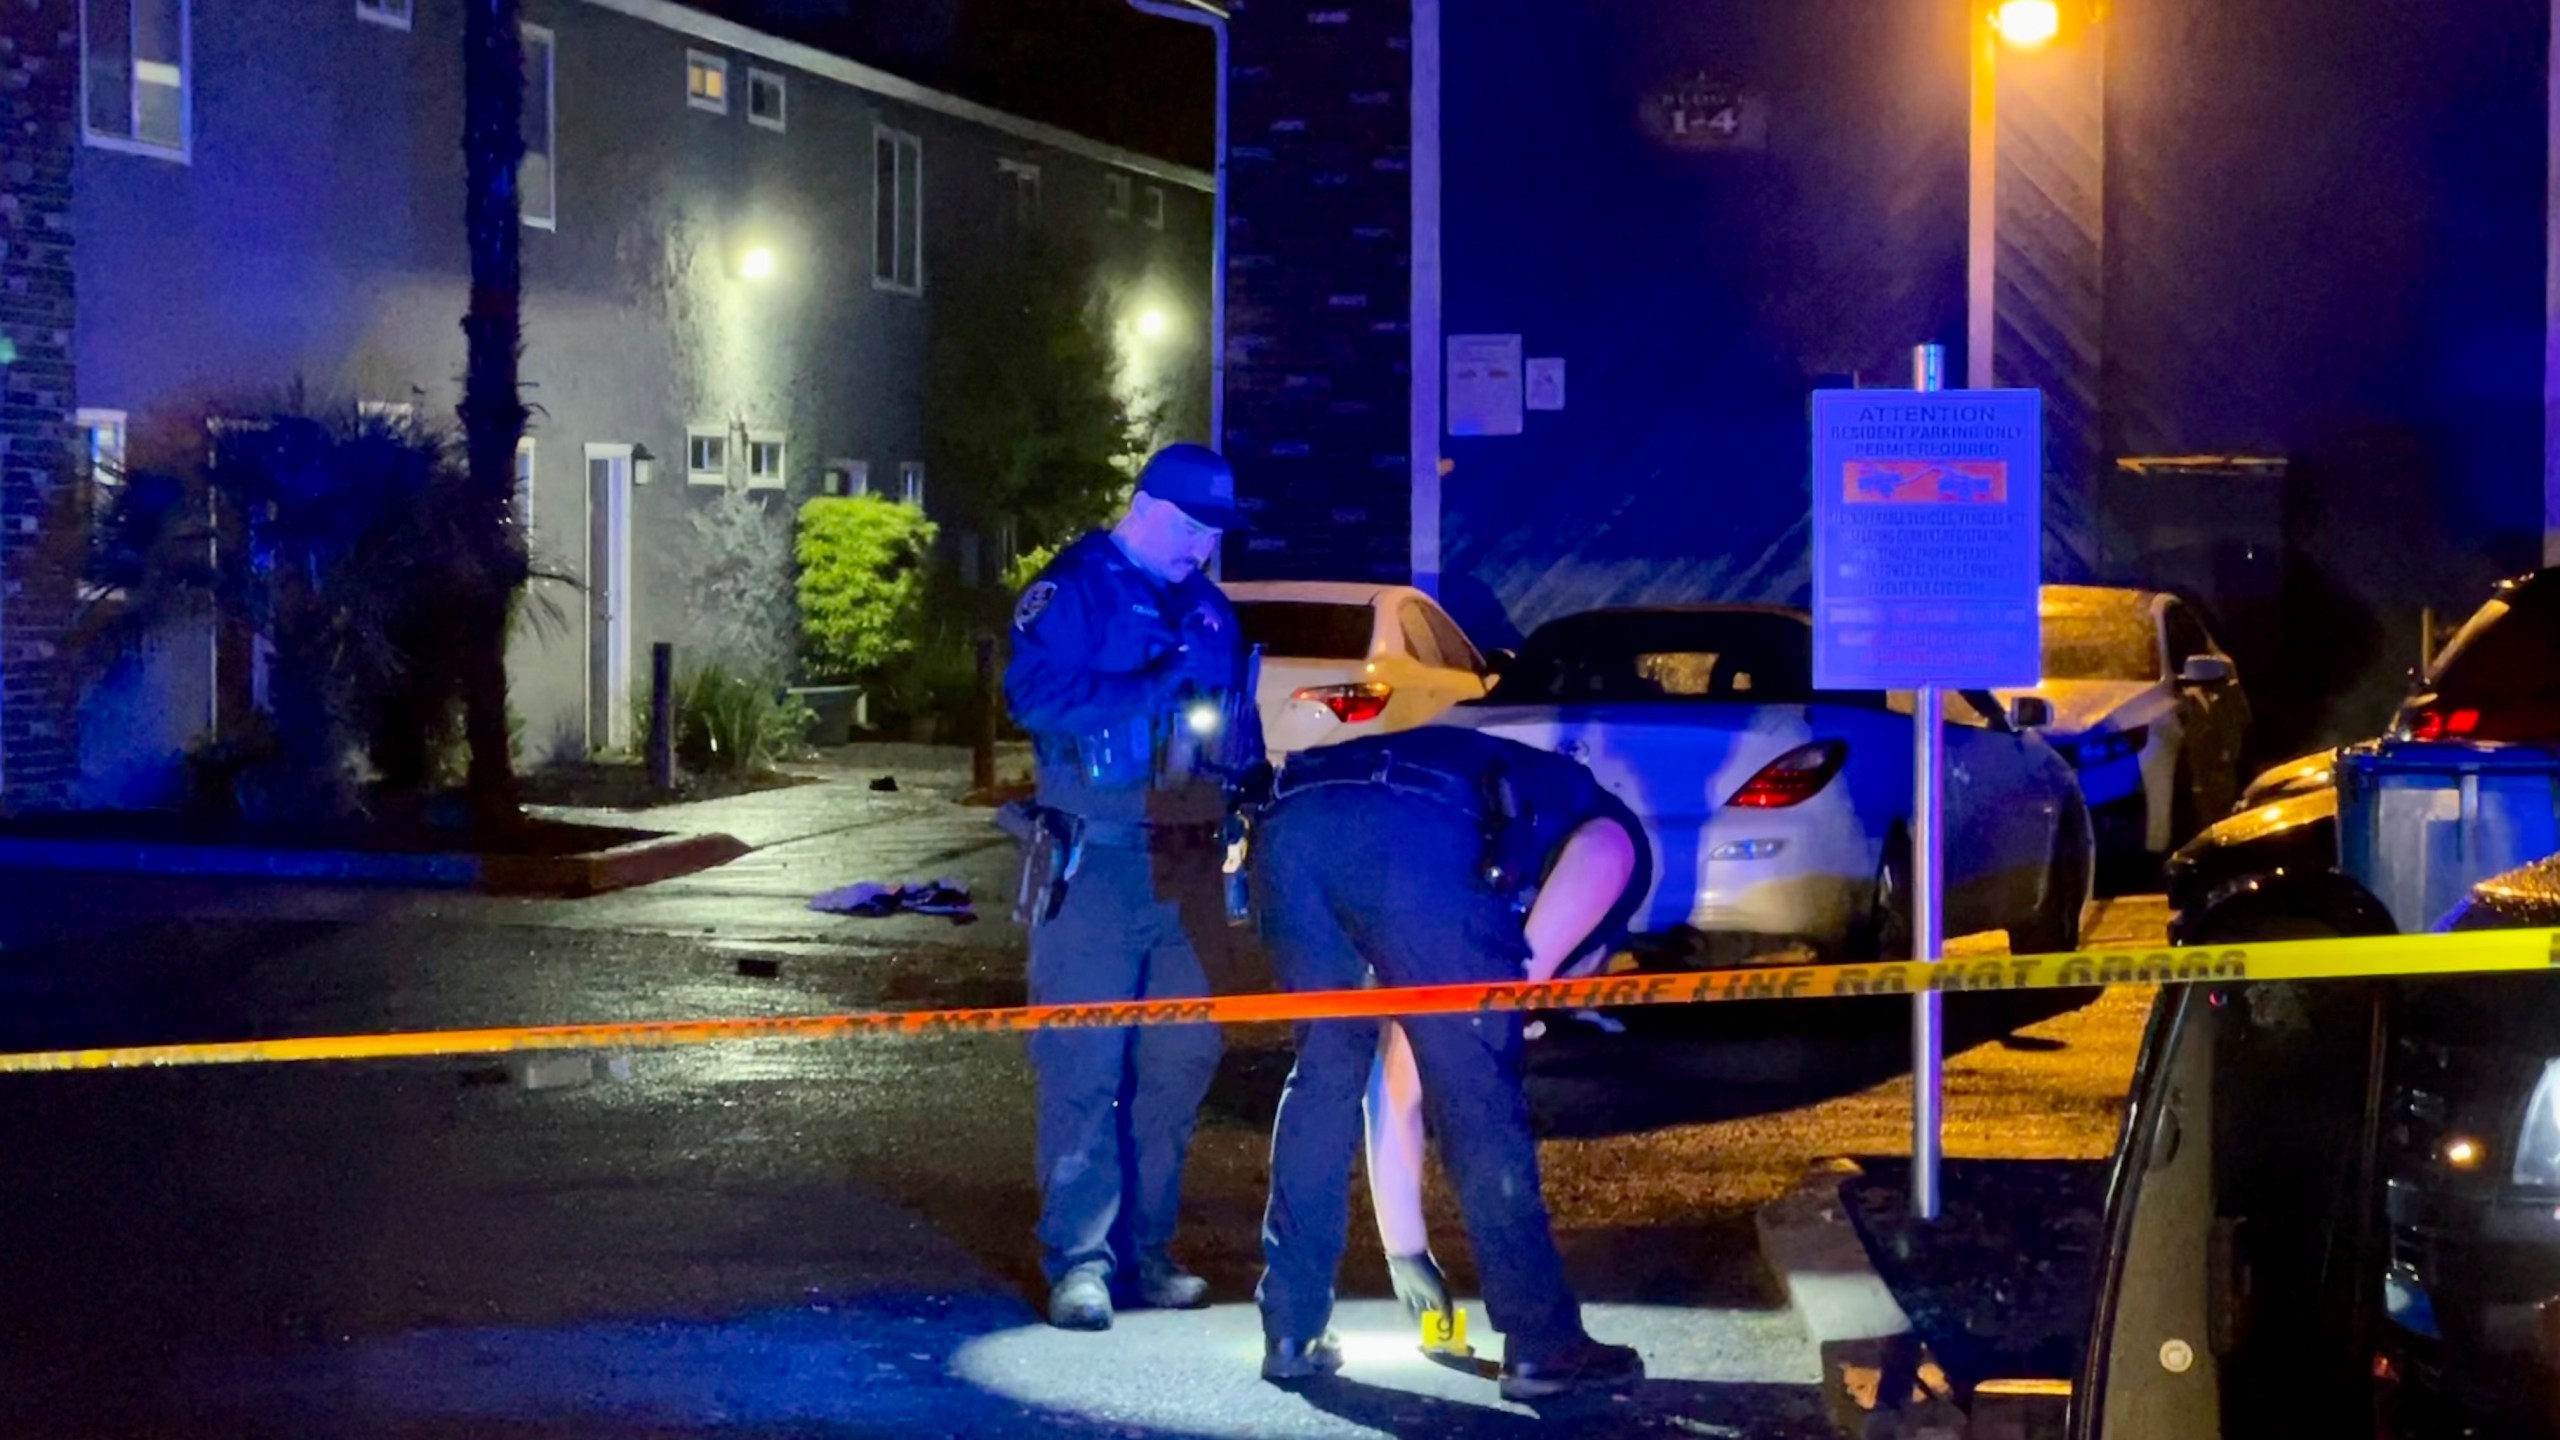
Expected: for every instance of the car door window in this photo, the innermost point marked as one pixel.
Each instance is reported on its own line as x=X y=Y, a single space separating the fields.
x=1417 y=635
x=1455 y=652
x=2185 y=635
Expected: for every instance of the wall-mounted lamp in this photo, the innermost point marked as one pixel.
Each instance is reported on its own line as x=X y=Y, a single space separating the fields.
x=644 y=466
x=2027 y=24
x=757 y=263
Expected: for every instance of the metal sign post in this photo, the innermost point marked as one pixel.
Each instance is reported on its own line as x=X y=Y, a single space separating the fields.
x=1928 y=893
x=1927 y=541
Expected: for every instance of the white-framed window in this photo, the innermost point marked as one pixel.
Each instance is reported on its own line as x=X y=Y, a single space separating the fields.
x=394 y=13
x=911 y=483
x=897 y=212
x=706 y=455
x=706 y=82
x=765 y=97
x=1115 y=197
x=538 y=174
x=524 y=483
x=1155 y=207
x=765 y=460
x=1020 y=182
x=102 y=435
x=848 y=477
x=134 y=66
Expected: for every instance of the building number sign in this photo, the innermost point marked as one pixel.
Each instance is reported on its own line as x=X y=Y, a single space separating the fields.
x=1702 y=114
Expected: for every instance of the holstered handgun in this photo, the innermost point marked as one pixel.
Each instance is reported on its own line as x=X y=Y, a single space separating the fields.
x=1049 y=855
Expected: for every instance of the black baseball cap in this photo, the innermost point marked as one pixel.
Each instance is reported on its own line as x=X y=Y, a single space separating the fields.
x=1195 y=480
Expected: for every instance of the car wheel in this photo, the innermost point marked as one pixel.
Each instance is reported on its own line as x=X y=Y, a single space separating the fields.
x=2055 y=929
x=1885 y=933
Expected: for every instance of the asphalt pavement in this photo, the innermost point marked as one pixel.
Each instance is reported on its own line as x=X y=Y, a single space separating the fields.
x=780 y=1239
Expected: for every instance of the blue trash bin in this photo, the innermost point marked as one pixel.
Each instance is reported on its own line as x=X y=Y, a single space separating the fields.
x=2420 y=823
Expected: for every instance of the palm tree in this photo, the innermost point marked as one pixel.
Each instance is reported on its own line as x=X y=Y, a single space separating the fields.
x=492 y=411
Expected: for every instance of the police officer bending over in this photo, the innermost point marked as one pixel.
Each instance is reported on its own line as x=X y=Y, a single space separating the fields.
x=1430 y=857
x=1129 y=671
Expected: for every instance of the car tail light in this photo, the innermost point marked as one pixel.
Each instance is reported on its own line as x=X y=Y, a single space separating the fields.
x=1350 y=704
x=2433 y=723
x=1792 y=778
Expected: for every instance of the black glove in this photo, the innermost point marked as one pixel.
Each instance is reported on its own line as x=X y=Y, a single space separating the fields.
x=1419 y=1283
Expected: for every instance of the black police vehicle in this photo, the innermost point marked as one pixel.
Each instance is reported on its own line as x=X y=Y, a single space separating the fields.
x=2336 y=1208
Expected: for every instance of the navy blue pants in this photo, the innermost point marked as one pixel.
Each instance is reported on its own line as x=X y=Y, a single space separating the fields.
x=1357 y=879
x=1117 y=1106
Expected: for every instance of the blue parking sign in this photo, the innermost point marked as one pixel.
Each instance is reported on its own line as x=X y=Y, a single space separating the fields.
x=1927 y=538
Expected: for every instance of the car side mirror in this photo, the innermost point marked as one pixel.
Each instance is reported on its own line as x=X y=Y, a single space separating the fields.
x=2204 y=670
x=1497 y=661
x=2030 y=712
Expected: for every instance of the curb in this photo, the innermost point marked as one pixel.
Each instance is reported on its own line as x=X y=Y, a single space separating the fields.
x=1808 y=1240
x=641 y=862
x=1879 y=1382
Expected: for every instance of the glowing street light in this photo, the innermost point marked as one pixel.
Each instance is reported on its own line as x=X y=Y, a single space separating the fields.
x=2027 y=24
x=757 y=263
x=1153 y=323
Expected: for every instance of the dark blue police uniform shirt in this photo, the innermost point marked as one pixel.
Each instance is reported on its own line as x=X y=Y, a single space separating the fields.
x=1095 y=678
x=1552 y=796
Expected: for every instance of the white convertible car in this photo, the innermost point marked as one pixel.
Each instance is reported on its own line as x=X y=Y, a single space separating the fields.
x=1781 y=816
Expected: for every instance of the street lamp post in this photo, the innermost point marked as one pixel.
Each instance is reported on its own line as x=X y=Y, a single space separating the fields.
x=2016 y=25
x=2020 y=25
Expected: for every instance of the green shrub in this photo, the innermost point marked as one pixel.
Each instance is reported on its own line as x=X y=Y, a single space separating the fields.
x=862 y=584
x=728 y=723
x=1027 y=566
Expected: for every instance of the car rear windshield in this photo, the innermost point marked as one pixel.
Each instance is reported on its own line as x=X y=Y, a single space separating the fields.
x=1307 y=630
x=2112 y=644
x=1753 y=657
x=2507 y=653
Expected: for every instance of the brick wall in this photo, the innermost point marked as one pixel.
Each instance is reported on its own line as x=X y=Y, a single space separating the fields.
x=1318 y=246
x=39 y=97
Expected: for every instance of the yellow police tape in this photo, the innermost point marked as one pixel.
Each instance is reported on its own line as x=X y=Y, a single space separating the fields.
x=2472 y=952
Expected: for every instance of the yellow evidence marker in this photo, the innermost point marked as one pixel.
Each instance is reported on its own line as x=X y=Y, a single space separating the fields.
x=1445 y=1333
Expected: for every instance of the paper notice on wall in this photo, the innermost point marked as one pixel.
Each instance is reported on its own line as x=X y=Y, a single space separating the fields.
x=1484 y=384
x=1546 y=383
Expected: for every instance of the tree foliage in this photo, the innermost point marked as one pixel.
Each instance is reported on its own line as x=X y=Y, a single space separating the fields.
x=862 y=584
x=352 y=546
x=1024 y=415
x=738 y=581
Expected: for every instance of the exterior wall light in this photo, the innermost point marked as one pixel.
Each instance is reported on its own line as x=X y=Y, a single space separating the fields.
x=2027 y=24
x=1153 y=323
x=757 y=263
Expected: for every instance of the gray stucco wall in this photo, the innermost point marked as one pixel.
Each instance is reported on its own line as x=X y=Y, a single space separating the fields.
x=316 y=235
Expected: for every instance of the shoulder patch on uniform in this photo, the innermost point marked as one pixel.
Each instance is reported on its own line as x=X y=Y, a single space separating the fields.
x=1033 y=601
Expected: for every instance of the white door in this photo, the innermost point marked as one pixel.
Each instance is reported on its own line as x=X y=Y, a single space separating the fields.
x=608 y=597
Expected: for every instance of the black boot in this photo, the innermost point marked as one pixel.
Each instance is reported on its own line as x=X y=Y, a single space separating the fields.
x=1081 y=1300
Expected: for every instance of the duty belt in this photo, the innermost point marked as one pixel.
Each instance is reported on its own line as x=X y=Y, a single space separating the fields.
x=1140 y=834
x=1316 y=769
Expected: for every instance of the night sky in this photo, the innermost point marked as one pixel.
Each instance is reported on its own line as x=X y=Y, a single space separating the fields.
x=1092 y=66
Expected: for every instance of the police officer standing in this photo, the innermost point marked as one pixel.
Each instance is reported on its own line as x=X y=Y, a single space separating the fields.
x=1129 y=672
x=1431 y=856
